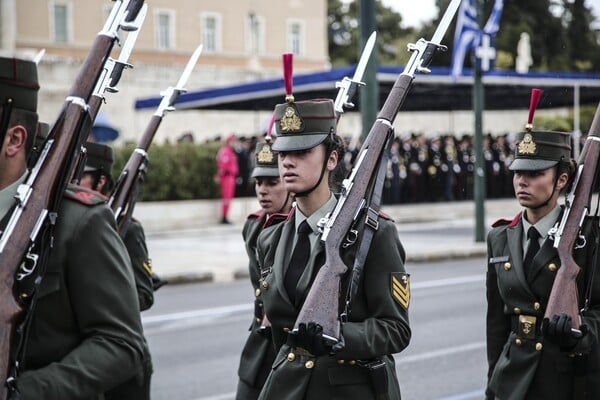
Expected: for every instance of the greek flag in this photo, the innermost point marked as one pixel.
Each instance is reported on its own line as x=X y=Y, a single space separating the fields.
x=469 y=35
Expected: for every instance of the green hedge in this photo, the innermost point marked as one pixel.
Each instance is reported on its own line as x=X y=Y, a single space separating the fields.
x=183 y=171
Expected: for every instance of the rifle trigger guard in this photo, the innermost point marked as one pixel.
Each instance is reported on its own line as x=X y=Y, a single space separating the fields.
x=31 y=259
x=580 y=242
x=351 y=238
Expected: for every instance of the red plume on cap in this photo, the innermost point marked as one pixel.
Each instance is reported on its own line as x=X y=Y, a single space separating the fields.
x=268 y=135
x=535 y=98
x=288 y=76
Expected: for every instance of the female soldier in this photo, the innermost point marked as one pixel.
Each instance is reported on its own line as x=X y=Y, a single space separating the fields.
x=275 y=202
x=306 y=367
x=529 y=359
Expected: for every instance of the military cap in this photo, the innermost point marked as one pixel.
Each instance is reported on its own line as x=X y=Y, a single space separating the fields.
x=539 y=150
x=266 y=161
x=99 y=157
x=303 y=125
x=19 y=81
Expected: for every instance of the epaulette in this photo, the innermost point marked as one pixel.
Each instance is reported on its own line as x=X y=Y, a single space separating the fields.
x=256 y=214
x=84 y=196
x=276 y=218
x=504 y=221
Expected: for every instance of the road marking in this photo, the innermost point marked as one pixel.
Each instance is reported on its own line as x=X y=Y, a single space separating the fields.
x=224 y=396
x=400 y=359
x=217 y=312
x=475 y=394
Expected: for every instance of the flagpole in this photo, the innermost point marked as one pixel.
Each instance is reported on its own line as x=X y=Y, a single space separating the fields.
x=479 y=183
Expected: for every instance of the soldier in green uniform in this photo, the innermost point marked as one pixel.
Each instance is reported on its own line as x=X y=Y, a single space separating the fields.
x=84 y=335
x=361 y=366
x=275 y=202
x=529 y=359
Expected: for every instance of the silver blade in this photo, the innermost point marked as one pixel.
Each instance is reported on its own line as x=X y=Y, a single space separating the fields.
x=132 y=36
x=188 y=68
x=445 y=22
x=364 y=58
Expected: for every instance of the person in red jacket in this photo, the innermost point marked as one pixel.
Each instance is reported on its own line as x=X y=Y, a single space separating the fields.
x=227 y=170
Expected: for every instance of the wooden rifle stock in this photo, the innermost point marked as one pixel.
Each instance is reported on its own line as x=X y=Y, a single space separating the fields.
x=38 y=198
x=564 y=294
x=322 y=303
x=123 y=198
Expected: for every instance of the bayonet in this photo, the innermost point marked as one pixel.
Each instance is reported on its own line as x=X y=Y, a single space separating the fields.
x=172 y=93
x=348 y=86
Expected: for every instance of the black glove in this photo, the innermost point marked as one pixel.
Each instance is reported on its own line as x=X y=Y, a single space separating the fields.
x=310 y=338
x=558 y=331
x=157 y=282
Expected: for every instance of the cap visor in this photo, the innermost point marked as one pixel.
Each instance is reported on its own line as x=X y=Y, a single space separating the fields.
x=525 y=164
x=263 y=171
x=298 y=142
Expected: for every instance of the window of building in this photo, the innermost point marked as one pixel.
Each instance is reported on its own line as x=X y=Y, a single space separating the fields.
x=295 y=37
x=164 y=22
x=255 y=34
x=61 y=17
x=211 y=32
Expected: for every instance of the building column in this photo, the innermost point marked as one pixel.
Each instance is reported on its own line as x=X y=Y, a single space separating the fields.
x=8 y=25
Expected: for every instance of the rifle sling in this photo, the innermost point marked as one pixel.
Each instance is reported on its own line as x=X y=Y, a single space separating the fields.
x=368 y=228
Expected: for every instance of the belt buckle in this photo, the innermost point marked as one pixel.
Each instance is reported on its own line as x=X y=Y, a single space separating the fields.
x=527 y=324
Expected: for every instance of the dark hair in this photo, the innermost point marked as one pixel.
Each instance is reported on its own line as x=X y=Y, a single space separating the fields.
x=566 y=166
x=336 y=143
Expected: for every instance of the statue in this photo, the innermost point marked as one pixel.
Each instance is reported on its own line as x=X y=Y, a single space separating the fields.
x=524 y=59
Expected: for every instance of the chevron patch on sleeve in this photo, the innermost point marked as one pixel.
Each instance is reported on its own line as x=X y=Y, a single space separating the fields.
x=400 y=288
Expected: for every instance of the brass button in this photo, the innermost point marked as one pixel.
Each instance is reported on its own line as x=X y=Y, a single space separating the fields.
x=538 y=346
x=518 y=342
x=536 y=306
x=258 y=320
x=265 y=284
x=352 y=362
x=286 y=330
x=507 y=266
x=309 y=364
x=291 y=357
x=552 y=267
x=340 y=362
x=257 y=292
x=517 y=310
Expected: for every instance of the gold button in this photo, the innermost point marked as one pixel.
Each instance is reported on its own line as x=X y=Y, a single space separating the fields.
x=352 y=362
x=538 y=346
x=517 y=310
x=257 y=292
x=340 y=362
x=536 y=306
x=291 y=357
x=518 y=342
x=258 y=320
x=265 y=284
x=552 y=267
x=286 y=330
x=309 y=364
x=507 y=266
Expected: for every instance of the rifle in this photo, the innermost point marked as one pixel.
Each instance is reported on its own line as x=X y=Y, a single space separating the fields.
x=30 y=227
x=123 y=197
x=322 y=303
x=563 y=297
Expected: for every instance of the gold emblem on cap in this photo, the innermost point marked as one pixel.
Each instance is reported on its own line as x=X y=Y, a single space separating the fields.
x=527 y=145
x=265 y=155
x=290 y=121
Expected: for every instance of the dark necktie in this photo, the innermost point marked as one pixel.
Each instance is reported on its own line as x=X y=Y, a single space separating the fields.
x=534 y=246
x=299 y=259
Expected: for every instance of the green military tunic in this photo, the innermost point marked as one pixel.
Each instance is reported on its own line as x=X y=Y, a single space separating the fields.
x=258 y=353
x=135 y=242
x=85 y=335
x=522 y=364
x=377 y=327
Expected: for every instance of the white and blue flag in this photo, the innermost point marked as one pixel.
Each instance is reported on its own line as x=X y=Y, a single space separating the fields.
x=470 y=36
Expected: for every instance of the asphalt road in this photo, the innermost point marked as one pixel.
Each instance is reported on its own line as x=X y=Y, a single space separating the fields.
x=196 y=333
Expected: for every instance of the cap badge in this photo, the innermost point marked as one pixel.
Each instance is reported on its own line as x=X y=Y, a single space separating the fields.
x=265 y=155
x=527 y=145
x=290 y=121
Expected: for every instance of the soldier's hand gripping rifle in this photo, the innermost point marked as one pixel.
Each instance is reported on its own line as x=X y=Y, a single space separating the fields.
x=123 y=197
x=322 y=303
x=30 y=227
x=563 y=297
